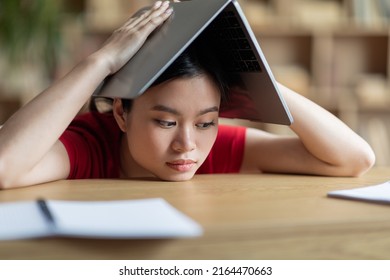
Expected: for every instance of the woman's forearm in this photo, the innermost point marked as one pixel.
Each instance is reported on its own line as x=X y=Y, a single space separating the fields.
x=326 y=137
x=33 y=130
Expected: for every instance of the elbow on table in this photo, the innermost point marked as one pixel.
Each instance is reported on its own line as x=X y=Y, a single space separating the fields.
x=4 y=181
x=7 y=179
x=361 y=163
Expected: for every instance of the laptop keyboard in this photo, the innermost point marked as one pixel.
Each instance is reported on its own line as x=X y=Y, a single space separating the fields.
x=231 y=43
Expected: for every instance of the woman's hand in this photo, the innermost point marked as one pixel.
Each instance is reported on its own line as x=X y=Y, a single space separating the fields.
x=128 y=39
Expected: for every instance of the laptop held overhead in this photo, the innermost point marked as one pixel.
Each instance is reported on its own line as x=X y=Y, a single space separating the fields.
x=222 y=24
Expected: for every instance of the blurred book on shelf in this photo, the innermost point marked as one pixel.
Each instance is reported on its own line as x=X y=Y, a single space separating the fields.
x=370 y=13
x=319 y=14
x=372 y=91
x=258 y=13
x=295 y=77
x=377 y=133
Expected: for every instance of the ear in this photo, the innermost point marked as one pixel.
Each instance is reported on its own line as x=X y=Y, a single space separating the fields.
x=119 y=114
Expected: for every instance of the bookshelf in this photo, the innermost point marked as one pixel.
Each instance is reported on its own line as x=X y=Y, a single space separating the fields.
x=335 y=53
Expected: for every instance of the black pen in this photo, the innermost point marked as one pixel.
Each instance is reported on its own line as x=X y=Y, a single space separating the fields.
x=42 y=205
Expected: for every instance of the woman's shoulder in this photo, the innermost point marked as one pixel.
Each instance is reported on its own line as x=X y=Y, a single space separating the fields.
x=230 y=131
x=227 y=153
x=99 y=122
x=92 y=142
x=93 y=127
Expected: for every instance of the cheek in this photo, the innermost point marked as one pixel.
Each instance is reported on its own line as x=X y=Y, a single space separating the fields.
x=144 y=141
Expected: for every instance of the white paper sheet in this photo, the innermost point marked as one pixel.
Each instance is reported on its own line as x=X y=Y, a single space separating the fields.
x=145 y=218
x=375 y=193
x=20 y=220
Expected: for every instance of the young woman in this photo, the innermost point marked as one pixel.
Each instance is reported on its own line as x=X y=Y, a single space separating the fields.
x=170 y=132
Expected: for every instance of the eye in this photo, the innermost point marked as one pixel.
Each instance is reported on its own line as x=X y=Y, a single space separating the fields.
x=165 y=124
x=205 y=125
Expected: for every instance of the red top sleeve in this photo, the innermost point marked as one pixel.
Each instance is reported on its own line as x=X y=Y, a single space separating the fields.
x=227 y=153
x=93 y=144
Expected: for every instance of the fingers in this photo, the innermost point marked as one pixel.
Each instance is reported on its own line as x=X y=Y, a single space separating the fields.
x=156 y=17
x=147 y=14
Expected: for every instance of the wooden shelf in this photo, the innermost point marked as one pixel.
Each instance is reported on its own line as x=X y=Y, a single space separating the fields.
x=346 y=65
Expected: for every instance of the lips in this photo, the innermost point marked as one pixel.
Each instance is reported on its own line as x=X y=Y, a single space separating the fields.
x=181 y=165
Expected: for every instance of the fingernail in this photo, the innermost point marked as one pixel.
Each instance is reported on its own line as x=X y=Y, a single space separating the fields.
x=157 y=4
x=166 y=3
x=169 y=11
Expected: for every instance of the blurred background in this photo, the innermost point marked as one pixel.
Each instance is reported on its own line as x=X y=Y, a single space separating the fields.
x=335 y=52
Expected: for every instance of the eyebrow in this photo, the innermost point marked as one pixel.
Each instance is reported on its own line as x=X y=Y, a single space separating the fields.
x=167 y=109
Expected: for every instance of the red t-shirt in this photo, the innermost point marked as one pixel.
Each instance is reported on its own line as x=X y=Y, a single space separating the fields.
x=92 y=142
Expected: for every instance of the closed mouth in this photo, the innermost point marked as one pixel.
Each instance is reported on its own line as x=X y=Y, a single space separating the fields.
x=181 y=165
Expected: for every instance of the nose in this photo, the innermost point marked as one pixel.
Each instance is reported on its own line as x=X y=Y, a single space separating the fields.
x=184 y=140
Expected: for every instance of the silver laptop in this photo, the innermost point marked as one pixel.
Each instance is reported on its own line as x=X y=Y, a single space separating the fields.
x=223 y=24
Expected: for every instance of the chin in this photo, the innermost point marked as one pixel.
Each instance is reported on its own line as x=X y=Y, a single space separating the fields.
x=177 y=177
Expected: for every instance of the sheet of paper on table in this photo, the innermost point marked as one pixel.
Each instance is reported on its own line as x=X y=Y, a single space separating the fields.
x=143 y=218
x=376 y=193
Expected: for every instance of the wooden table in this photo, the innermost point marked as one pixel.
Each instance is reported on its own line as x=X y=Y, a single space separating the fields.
x=262 y=216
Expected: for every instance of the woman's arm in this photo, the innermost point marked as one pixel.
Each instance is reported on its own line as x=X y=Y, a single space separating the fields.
x=324 y=145
x=30 y=152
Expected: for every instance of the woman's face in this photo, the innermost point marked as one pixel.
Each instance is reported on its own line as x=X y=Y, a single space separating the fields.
x=170 y=129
